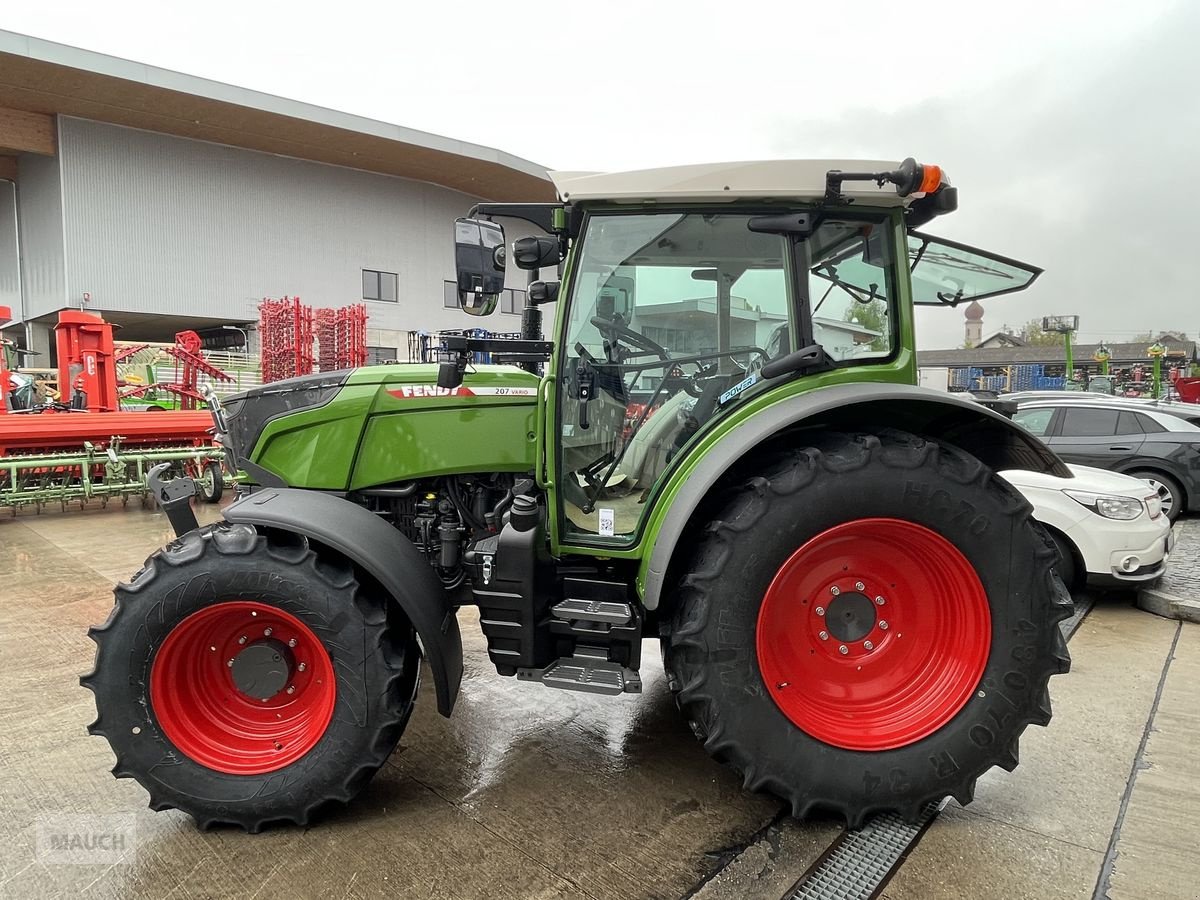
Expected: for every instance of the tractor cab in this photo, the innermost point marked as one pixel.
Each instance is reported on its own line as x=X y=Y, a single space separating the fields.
x=694 y=291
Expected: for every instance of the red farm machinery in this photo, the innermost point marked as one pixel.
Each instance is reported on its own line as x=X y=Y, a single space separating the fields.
x=75 y=443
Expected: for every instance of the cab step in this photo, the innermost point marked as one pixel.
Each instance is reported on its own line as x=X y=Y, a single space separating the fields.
x=588 y=670
x=610 y=612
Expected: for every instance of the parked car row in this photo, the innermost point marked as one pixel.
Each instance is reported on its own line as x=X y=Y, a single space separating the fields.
x=1146 y=441
x=1135 y=467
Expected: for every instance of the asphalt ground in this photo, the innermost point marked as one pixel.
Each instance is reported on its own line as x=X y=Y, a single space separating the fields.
x=532 y=793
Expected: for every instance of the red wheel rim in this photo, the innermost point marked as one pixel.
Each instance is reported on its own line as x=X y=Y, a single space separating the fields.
x=205 y=714
x=874 y=634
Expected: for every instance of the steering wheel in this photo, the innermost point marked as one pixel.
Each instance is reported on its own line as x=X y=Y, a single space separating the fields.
x=618 y=330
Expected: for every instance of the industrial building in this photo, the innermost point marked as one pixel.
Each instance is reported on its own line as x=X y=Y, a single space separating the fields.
x=167 y=202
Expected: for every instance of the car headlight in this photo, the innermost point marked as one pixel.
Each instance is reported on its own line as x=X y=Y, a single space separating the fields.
x=1108 y=506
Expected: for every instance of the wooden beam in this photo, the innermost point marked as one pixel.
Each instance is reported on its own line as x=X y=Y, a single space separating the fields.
x=8 y=168
x=27 y=132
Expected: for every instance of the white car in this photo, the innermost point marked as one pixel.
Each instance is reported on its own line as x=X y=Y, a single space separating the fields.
x=1110 y=528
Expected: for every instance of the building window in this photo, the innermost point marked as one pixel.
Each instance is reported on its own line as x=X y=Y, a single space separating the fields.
x=380 y=285
x=511 y=301
x=378 y=355
x=450 y=295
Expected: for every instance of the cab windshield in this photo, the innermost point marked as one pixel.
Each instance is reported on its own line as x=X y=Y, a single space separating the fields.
x=671 y=317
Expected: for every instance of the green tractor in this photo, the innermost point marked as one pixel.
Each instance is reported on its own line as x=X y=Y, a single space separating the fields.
x=727 y=451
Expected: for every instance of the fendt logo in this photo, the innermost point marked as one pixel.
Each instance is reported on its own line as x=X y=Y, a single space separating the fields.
x=411 y=391
x=430 y=390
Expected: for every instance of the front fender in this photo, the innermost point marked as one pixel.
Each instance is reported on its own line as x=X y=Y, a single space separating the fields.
x=381 y=551
x=993 y=439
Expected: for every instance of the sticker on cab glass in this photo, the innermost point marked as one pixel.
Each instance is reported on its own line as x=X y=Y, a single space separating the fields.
x=747 y=382
x=608 y=522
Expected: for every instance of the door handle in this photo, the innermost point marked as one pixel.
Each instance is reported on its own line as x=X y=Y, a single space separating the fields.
x=1120 y=447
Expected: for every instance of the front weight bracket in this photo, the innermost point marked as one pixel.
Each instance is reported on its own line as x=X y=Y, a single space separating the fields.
x=174 y=496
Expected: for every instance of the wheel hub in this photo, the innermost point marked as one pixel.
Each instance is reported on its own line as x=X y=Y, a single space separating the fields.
x=850 y=617
x=263 y=669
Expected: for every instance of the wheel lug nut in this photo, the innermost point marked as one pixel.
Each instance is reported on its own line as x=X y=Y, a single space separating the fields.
x=301 y=667
x=242 y=639
x=858 y=585
x=835 y=590
x=843 y=649
x=868 y=645
x=292 y=642
x=267 y=632
x=824 y=635
x=291 y=689
x=820 y=610
x=882 y=625
x=879 y=601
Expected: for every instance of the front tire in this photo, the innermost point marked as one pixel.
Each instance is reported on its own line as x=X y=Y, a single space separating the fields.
x=791 y=670
x=1169 y=491
x=245 y=680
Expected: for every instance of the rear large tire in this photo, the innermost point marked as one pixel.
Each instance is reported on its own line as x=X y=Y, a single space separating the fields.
x=246 y=680
x=867 y=624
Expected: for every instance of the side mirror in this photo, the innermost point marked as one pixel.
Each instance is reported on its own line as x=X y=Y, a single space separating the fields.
x=536 y=252
x=479 y=260
x=543 y=292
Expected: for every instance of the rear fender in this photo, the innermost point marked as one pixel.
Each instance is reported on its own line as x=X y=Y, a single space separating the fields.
x=989 y=436
x=382 y=552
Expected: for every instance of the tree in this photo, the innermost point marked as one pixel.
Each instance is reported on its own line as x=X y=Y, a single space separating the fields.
x=871 y=315
x=1033 y=335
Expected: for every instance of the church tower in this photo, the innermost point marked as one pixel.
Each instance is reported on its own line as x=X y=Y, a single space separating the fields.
x=974 y=317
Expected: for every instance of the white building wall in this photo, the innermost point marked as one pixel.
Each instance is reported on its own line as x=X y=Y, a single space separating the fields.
x=10 y=261
x=43 y=273
x=160 y=224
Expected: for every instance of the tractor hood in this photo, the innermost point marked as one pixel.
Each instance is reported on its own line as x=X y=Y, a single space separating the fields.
x=383 y=424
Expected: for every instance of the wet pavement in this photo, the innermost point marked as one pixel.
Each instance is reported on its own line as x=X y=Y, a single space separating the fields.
x=532 y=793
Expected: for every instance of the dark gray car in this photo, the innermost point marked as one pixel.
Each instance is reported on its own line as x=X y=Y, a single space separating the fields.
x=1140 y=441
x=1188 y=411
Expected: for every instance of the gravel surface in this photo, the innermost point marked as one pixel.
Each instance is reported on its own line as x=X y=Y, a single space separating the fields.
x=1182 y=577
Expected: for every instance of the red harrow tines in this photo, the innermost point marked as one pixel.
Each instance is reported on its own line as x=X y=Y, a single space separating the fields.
x=342 y=337
x=286 y=331
x=327 y=343
x=189 y=366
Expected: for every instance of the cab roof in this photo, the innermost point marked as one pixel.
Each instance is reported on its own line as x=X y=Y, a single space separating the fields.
x=787 y=179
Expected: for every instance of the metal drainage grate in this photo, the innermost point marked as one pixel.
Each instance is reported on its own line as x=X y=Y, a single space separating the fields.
x=859 y=863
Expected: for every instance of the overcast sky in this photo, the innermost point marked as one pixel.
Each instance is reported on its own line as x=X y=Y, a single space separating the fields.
x=1072 y=129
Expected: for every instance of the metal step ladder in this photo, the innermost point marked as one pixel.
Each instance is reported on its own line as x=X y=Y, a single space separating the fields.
x=588 y=669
